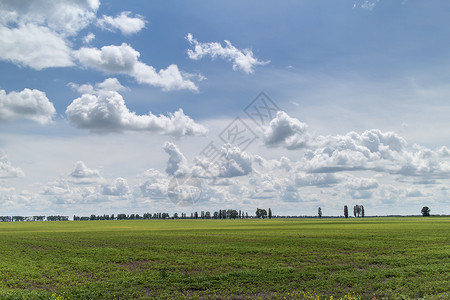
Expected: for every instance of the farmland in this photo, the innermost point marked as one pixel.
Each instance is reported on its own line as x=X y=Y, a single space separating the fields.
x=385 y=258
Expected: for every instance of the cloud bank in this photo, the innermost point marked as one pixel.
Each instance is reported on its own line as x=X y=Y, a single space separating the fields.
x=7 y=170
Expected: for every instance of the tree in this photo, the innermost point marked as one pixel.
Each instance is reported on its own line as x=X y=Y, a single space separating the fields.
x=270 y=213
x=357 y=210
x=319 y=212
x=196 y=215
x=345 y=211
x=362 y=211
x=425 y=211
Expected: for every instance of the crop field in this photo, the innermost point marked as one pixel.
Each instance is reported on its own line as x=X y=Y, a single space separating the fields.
x=382 y=258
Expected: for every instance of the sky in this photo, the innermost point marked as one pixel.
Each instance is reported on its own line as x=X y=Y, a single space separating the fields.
x=109 y=107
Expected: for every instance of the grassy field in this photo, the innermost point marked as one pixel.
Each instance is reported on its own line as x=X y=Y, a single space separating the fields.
x=385 y=258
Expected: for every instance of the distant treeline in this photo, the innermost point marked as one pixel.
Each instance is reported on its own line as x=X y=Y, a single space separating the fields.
x=358 y=211
x=32 y=218
x=221 y=214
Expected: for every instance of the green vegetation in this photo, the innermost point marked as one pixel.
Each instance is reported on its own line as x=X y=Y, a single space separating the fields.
x=385 y=258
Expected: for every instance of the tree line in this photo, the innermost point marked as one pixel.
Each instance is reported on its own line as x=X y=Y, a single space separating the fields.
x=220 y=214
x=358 y=211
x=33 y=218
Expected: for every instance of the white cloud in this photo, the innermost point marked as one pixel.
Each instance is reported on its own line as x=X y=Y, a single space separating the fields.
x=64 y=16
x=264 y=187
x=34 y=33
x=127 y=25
x=87 y=39
x=7 y=170
x=102 y=110
x=290 y=194
x=360 y=183
x=242 y=59
x=118 y=187
x=414 y=192
x=37 y=34
x=110 y=59
x=377 y=151
x=27 y=104
x=108 y=85
x=154 y=184
x=124 y=59
x=286 y=131
x=177 y=163
x=234 y=162
x=369 y=4
x=56 y=188
x=84 y=175
x=326 y=179
x=35 y=47
x=443 y=152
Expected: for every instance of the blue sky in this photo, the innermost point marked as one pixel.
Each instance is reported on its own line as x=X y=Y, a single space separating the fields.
x=102 y=104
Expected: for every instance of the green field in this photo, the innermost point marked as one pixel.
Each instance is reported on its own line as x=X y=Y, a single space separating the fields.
x=385 y=258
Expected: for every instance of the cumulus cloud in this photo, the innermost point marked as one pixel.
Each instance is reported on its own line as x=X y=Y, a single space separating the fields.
x=124 y=59
x=64 y=16
x=35 y=47
x=102 y=109
x=234 y=162
x=374 y=150
x=286 y=131
x=290 y=194
x=118 y=187
x=108 y=85
x=124 y=23
x=34 y=33
x=231 y=162
x=177 y=163
x=39 y=34
x=370 y=150
x=7 y=170
x=56 y=188
x=326 y=179
x=242 y=59
x=443 y=152
x=27 y=104
x=68 y=192
x=360 y=183
x=154 y=184
x=84 y=175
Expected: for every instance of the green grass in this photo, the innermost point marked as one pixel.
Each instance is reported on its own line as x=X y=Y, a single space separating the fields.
x=385 y=258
